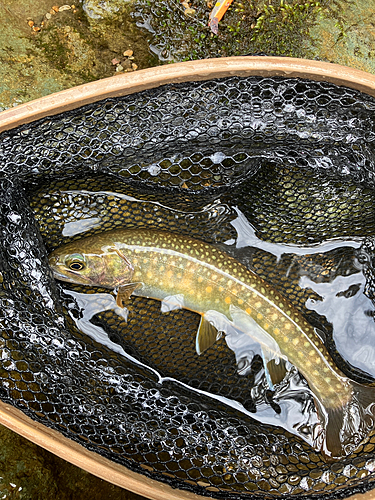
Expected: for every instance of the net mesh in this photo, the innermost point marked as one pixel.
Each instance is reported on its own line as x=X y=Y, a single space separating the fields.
x=297 y=158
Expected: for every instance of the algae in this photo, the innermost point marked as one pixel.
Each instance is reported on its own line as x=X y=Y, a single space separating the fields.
x=351 y=42
x=43 y=50
x=105 y=9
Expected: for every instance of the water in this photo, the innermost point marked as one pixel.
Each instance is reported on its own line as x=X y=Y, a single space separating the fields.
x=328 y=292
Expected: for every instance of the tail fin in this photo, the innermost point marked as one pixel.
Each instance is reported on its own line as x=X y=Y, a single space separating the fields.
x=343 y=429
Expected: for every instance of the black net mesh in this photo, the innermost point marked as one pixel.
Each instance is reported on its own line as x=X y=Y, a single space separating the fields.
x=296 y=157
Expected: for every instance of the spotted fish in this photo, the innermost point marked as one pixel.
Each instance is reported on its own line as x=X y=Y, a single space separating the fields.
x=186 y=273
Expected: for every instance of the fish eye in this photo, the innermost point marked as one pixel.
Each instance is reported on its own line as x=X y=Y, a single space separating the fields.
x=76 y=266
x=75 y=262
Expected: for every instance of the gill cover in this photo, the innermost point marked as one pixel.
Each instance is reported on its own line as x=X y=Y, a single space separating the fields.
x=105 y=265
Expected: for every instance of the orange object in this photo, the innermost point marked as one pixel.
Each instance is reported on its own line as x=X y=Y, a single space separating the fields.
x=221 y=6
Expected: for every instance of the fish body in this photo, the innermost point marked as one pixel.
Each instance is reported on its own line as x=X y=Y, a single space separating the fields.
x=184 y=272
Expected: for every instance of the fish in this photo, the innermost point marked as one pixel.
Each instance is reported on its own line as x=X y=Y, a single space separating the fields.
x=183 y=272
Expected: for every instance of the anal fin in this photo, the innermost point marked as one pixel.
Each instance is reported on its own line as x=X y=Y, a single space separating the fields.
x=276 y=370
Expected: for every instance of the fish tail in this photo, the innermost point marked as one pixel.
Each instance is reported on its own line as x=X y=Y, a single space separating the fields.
x=345 y=427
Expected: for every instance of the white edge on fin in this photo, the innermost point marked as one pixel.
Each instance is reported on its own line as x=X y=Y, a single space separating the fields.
x=267 y=356
x=121 y=311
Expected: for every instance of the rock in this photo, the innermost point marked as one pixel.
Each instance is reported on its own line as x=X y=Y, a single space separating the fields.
x=128 y=53
x=127 y=64
x=189 y=12
x=104 y=9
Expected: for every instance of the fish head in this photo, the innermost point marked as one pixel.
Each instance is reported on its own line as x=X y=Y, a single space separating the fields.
x=91 y=262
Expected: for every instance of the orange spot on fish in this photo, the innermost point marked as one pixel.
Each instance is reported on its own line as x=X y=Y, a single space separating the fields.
x=227 y=300
x=209 y=289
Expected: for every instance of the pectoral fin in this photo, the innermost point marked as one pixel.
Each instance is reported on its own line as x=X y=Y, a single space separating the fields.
x=206 y=336
x=124 y=292
x=172 y=302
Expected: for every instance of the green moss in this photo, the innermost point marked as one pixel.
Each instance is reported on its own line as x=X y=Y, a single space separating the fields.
x=278 y=27
x=282 y=27
x=65 y=43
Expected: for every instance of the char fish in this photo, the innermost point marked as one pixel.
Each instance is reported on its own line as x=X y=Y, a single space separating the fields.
x=186 y=273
